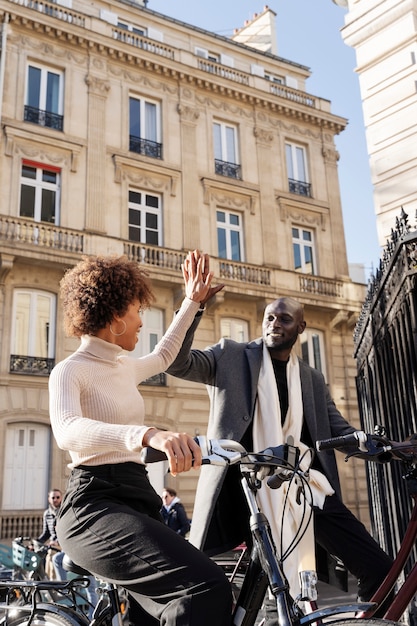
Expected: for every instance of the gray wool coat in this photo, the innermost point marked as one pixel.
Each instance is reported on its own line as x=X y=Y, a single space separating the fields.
x=231 y=370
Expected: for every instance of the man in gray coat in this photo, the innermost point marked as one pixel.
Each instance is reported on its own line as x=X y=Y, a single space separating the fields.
x=231 y=371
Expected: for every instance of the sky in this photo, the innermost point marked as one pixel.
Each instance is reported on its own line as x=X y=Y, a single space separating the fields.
x=308 y=32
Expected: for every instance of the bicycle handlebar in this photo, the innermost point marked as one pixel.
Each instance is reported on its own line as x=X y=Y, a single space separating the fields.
x=279 y=462
x=373 y=447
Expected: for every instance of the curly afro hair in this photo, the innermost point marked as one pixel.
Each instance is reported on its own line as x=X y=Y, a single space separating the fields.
x=100 y=287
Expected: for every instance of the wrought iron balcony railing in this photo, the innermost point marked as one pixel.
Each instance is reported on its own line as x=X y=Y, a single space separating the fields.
x=30 y=365
x=299 y=187
x=145 y=146
x=232 y=170
x=44 y=118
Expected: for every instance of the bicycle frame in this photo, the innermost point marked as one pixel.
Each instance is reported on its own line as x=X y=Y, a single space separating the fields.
x=265 y=571
x=408 y=589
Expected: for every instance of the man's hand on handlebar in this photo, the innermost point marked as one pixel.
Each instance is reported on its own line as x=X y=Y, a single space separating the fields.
x=182 y=451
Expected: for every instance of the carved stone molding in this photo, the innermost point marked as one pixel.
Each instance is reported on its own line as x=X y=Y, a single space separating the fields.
x=42 y=148
x=330 y=154
x=144 y=175
x=263 y=135
x=311 y=215
x=188 y=113
x=223 y=195
x=6 y=264
x=97 y=85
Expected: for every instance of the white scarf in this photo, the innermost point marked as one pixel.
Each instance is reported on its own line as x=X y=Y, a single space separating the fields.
x=267 y=432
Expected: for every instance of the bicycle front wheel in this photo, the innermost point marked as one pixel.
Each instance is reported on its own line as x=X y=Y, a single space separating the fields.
x=47 y=616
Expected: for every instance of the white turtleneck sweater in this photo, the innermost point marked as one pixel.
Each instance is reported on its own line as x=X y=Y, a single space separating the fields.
x=96 y=410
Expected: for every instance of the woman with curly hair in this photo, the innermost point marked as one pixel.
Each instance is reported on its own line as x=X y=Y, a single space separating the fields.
x=109 y=521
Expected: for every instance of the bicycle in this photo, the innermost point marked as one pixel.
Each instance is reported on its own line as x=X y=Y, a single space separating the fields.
x=264 y=569
x=380 y=448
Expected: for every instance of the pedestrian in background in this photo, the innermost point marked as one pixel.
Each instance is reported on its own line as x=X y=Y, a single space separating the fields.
x=174 y=513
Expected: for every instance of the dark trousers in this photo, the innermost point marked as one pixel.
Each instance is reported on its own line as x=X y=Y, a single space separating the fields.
x=340 y=533
x=109 y=523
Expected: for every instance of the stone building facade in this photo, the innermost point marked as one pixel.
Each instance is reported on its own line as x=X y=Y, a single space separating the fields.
x=124 y=131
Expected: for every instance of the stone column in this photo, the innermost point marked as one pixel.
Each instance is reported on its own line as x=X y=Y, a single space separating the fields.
x=190 y=190
x=96 y=153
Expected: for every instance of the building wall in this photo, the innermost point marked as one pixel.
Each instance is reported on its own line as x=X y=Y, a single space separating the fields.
x=102 y=66
x=383 y=35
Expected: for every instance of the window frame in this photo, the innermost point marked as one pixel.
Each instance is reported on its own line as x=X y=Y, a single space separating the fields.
x=236 y=334
x=145 y=210
x=226 y=149
x=297 y=169
x=32 y=330
x=229 y=229
x=307 y=341
x=151 y=333
x=303 y=246
x=149 y=140
x=40 y=112
x=40 y=186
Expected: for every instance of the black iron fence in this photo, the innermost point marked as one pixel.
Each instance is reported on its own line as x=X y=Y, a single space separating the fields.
x=386 y=354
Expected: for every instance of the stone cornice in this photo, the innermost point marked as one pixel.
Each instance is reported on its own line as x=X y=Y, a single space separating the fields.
x=131 y=56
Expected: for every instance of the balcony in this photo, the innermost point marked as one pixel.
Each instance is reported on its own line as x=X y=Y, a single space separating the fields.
x=43 y=118
x=145 y=147
x=232 y=170
x=299 y=187
x=30 y=365
x=57 y=11
x=27 y=232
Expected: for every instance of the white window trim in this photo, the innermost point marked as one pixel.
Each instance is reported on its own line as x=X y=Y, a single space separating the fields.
x=147 y=209
x=32 y=319
x=42 y=98
x=303 y=244
x=39 y=185
x=231 y=228
x=143 y=100
x=223 y=141
x=239 y=329
x=307 y=338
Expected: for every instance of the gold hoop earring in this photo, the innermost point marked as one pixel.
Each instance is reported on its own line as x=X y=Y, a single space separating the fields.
x=118 y=334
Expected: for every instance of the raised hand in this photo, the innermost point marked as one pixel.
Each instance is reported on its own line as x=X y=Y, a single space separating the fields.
x=197 y=261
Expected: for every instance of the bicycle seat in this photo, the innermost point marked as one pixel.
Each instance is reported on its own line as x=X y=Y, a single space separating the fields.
x=69 y=565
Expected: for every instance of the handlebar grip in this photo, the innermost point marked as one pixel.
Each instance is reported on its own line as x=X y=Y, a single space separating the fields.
x=150 y=455
x=338 y=442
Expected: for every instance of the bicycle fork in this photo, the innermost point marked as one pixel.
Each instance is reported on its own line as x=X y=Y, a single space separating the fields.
x=264 y=569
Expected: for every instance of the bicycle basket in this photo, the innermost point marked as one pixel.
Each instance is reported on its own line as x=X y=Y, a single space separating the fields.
x=6 y=556
x=24 y=558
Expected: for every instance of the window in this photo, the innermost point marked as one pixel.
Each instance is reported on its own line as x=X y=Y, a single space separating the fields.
x=303 y=249
x=150 y=333
x=312 y=349
x=145 y=218
x=32 y=349
x=144 y=128
x=229 y=236
x=44 y=97
x=226 y=161
x=235 y=329
x=26 y=466
x=277 y=80
x=39 y=192
x=132 y=29
x=297 y=170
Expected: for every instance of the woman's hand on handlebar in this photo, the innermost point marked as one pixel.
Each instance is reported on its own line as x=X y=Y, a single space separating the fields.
x=182 y=451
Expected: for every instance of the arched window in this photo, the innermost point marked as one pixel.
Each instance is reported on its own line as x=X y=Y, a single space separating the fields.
x=32 y=349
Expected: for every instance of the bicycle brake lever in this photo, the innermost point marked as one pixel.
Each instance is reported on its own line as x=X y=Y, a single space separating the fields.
x=217 y=455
